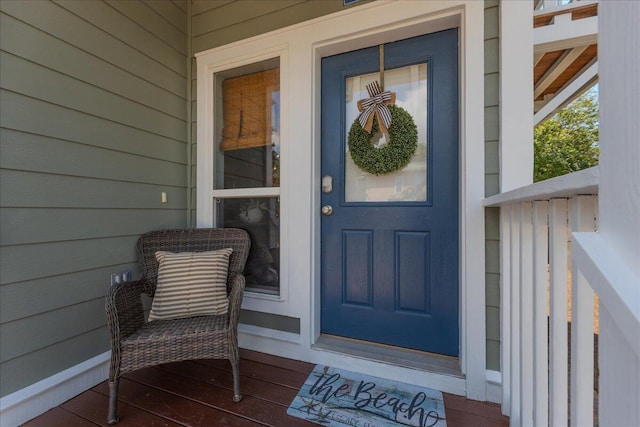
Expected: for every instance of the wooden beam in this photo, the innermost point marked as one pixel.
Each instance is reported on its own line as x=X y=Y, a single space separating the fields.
x=585 y=80
x=536 y=58
x=557 y=68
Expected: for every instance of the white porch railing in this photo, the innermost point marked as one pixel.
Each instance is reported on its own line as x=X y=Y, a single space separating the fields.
x=547 y=5
x=536 y=225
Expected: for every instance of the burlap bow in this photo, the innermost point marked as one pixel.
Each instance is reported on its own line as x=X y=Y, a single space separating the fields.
x=376 y=106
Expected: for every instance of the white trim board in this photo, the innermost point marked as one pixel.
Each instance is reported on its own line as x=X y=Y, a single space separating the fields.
x=494 y=386
x=301 y=48
x=271 y=341
x=566 y=34
x=26 y=404
x=516 y=94
x=585 y=181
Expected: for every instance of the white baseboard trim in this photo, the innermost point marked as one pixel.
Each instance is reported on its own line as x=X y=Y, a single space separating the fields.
x=26 y=404
x=494 y=386
x=270 y=341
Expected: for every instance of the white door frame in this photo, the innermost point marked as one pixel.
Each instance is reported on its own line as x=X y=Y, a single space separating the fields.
x=301 y=48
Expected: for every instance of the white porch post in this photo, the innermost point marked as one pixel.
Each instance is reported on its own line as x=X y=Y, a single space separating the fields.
x=516 y=170
x=516 y=94
x=619 y=206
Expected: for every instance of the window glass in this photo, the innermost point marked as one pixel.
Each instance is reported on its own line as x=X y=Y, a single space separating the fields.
x=248 y=157
x=260 y=216
x=248 y=131
x=410 y=183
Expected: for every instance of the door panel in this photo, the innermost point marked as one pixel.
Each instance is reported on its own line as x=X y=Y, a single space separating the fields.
x=358 y=267
x=390 y=246
x=411 y=298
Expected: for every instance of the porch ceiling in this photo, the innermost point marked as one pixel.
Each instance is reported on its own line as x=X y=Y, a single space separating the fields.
x=566 y=45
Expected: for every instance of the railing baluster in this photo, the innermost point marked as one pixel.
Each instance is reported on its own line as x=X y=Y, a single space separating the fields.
x=540 y=322
x=515 y=314
x=558 y=357
x=505 y=307
x=537 y=389
x=583 y=213
x=526 y=315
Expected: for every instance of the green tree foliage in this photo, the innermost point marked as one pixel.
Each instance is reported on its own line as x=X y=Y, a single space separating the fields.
x=567 y=142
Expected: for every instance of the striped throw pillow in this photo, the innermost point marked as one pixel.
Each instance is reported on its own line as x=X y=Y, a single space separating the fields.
x=191 y=284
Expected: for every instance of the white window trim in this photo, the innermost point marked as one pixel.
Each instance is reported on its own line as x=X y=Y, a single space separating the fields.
x=206 y=163
x=301 y=48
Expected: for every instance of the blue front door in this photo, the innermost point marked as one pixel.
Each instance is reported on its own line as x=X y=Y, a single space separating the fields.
x=389 y=248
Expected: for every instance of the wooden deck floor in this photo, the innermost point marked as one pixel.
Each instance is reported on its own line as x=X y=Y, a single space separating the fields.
x=199 y=394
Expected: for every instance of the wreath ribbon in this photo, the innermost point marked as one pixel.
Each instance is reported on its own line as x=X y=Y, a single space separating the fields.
x=376 y=106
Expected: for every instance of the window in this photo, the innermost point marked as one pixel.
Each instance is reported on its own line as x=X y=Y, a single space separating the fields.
x=247 y=165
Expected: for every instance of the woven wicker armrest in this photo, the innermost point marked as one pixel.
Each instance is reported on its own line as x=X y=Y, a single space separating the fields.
x=124 y=310
x=235 y=300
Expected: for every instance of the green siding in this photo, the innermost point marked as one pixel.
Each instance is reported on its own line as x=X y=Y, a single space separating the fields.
x=174 y=13
x=26 y=225
x=35 y=45
x=492 y=179
x=29 y=298
x=40 y=260
x=25 y=151
x=53 y=327
x=52 y=359
x=43 y=190
x=93 y=128
x=54 y=88
x=33 y=116
x=237 y=20
x=96 y=34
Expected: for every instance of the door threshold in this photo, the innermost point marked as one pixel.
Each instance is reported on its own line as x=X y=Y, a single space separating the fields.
x=398 y=356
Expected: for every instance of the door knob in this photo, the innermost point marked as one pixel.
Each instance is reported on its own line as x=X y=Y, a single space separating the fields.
x=327 y=210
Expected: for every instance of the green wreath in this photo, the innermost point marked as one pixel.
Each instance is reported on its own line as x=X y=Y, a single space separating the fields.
x=395 y=154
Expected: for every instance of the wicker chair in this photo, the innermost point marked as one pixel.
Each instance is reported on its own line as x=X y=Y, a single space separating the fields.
x=136 y=344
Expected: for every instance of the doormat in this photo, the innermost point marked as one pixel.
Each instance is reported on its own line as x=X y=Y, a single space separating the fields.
x=334 y=397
